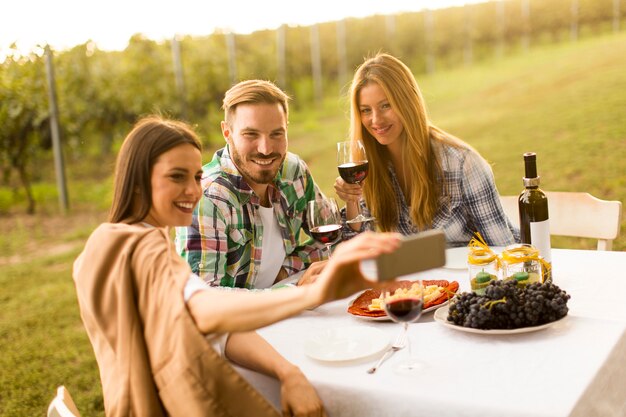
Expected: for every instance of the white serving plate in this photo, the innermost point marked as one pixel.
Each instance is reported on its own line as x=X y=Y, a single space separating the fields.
x=442 y=313
x=345 y=343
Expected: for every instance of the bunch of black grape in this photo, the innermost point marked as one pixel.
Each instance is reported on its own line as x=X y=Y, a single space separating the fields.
x=507 y=305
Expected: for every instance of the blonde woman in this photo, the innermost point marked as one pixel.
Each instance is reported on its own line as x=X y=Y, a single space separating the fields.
x=420 y=177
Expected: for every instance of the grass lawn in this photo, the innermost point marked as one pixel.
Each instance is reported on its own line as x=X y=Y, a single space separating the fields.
x=566 y=102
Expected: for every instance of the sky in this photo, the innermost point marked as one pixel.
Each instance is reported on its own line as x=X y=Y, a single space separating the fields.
x=66 y=23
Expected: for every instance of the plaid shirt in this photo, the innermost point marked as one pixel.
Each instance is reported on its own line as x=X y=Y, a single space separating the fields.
x=471 y=203
x=224 y=243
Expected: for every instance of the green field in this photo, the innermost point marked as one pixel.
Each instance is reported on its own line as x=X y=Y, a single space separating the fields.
x=566 y=102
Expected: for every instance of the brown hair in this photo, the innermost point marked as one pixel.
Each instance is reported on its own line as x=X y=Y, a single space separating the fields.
x=251 y=92
x=150 y=137
x=422 y=165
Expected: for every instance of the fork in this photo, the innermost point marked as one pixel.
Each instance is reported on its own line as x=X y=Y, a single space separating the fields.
x=398 y=344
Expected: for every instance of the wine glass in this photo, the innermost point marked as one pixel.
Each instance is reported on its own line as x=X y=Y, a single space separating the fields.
x=405 y=306
x=353 y=167
x=324 y=221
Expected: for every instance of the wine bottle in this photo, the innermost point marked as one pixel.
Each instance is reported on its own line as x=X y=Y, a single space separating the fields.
x=533 y=212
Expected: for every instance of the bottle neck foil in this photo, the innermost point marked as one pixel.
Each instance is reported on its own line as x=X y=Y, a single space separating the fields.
x=531 y=182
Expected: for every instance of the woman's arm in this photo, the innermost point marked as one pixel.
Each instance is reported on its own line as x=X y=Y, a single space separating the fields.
x=298 y=397
x=219 y=311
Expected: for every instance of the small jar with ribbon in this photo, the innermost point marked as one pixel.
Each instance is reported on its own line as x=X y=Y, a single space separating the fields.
x=483 y=264
x=521 y=262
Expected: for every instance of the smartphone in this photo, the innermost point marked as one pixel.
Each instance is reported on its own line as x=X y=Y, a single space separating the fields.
x=418 y=252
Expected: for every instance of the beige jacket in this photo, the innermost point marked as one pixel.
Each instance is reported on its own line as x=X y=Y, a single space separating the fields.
x=153 y=361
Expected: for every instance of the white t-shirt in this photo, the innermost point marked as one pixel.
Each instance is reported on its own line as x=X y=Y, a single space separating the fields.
x=273 y=249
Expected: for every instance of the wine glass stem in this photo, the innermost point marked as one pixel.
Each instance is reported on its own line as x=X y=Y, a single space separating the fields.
x=329 y=250
x=408 y=339
x=358 y=206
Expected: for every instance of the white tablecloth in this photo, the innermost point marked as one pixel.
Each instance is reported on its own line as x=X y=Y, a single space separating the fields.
x=575 y=367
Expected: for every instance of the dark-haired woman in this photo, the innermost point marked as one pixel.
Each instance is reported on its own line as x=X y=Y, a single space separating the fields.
x=155 y=327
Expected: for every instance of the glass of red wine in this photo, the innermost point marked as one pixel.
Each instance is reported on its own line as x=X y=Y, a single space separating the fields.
x=353 y=167
x=324 y=221
x=405 y=306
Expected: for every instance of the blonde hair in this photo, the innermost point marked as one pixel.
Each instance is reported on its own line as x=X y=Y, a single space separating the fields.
x=253 y=92
x=422 y=165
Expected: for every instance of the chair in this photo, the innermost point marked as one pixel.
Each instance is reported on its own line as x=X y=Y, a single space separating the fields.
x=62 y=405
x=576 y=214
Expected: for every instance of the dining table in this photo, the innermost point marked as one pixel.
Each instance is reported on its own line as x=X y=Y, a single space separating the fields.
x=575 y=366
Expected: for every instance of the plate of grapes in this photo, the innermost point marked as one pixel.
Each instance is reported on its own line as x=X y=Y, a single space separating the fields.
x=505 y=308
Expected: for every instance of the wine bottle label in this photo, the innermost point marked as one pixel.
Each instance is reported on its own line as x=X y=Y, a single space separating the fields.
x=540 y=238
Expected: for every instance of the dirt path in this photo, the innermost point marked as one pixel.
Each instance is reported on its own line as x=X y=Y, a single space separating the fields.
x=44 y=235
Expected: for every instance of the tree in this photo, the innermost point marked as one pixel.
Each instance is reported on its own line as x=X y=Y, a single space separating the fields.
x=24 y=119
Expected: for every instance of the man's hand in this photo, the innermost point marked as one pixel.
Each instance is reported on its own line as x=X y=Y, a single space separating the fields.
x=311 y=273
x=298 y=397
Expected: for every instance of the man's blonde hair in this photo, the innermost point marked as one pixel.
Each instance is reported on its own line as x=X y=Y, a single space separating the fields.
x=252 y=92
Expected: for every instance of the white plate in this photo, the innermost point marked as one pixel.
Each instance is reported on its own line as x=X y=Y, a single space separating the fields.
x=441 y=316
x=387 y=318
x=456 y=258
x=345 y=343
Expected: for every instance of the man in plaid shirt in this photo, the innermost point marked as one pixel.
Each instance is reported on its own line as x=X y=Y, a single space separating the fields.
x=249 y=229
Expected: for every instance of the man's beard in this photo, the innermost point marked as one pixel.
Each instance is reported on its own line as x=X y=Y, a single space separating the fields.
x=264 y=176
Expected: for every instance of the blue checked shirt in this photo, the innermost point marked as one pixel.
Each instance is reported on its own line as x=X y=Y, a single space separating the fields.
x=472 y=202
x=224 y=243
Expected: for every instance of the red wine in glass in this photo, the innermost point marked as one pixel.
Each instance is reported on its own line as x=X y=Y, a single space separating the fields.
x=324 y=221
x=404 y=309
x=327 y=234
x=354 y=172
x=353 y=167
